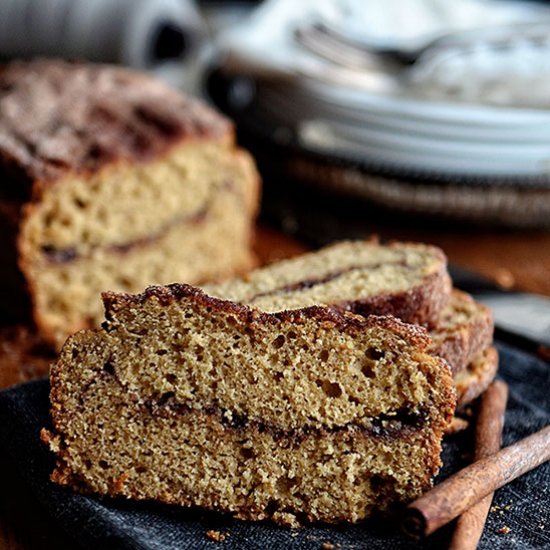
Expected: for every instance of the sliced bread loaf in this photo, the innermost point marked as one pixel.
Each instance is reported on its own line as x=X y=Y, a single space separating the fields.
x=304 y=415
x=112 y=181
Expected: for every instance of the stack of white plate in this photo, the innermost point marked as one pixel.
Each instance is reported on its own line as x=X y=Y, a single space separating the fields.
x=471 y=108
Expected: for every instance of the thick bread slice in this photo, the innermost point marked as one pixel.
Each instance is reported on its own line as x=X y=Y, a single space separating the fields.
x=464 y=328
x=366 y=277
x=301 y=415
x=409 y=281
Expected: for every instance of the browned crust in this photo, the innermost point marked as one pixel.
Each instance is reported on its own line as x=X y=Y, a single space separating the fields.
x=461 y=345
x=475 y=379
x=418 y=305
x=62 y=118
x=173 y=293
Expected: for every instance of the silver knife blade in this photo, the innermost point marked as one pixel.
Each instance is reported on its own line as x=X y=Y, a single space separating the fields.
x=522 y=314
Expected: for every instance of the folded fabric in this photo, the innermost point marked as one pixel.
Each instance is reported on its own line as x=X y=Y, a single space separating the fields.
x=519 y=518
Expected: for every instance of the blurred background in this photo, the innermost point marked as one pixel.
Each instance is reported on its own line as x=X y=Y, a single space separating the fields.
x=360 y=113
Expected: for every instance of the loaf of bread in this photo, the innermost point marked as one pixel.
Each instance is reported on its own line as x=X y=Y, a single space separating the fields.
x=112 y=181
x=305 y=415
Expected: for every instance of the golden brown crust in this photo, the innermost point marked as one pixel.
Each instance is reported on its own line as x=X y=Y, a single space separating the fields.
x=285 y=284
x=419 y=305
x=464 y=329
x=115 y=301
x=474 y=380
x=59 y=118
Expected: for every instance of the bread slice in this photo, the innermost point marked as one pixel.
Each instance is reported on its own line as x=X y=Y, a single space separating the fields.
x=463 y=330
x=407 y=280
x=366 y=277
x=471 y=382
x=111 y=180
x=304 y=415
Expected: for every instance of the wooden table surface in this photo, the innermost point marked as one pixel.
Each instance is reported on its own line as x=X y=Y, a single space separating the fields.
x=514 y=259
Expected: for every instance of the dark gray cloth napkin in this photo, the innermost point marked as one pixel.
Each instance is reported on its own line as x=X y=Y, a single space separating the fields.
x=520 y=516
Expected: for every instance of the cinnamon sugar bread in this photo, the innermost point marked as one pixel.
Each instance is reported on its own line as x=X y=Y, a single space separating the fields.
x=110 y=180
x=407 y=280
x=305 y=415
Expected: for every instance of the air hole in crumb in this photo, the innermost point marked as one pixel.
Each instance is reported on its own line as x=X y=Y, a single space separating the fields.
x=87 y=464
x=324 y=355
x=199 y=350
x=292 y=335
x=103 y=464
x=162 y=351
x=374 y=354
x=165 y=397
x=272 y=507
x=141 y=470
x=278 y=376
x=75 y=353
x=171 y=378
x=331 y=389
x=354 y=400
x=188 y=315
x=377 y=482
x=247 y=452
x=368 y=370
x=279 y=342
x=285 y=484
x=79 y=203
x=108 y=368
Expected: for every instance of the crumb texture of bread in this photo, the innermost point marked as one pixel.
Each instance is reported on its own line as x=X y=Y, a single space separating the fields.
x=113 y=181
x=305 y=415
x=407 y=280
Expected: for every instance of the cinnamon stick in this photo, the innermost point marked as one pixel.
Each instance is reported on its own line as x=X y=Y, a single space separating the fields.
x=462 y=490
x=490 y=421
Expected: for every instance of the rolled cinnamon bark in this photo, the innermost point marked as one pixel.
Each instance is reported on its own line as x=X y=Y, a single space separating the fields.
x=461 y=491
x=490 y=421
